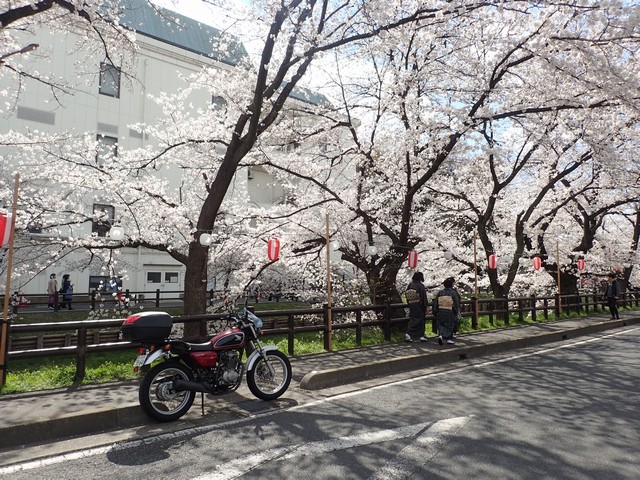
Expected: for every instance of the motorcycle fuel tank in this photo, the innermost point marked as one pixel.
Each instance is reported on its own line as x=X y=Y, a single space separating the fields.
x=227 y=340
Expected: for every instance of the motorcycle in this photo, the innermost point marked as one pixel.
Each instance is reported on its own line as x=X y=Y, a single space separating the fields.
x=168 y=389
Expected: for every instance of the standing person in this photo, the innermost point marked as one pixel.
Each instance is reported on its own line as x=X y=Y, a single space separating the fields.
x=15 y=302
x=613 y=293
x=446 y=307
x=52 y=292
x=417 y=300
x=67 y=292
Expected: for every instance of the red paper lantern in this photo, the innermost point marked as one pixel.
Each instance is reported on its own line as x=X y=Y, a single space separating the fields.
x=493 y=261
x=273 y=249
x=412 y=259
x=537 y=263
x=5 y=229
x=581 y=264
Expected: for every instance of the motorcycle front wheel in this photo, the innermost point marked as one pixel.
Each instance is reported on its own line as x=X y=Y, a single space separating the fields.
x=262 y=383
x=157 y=397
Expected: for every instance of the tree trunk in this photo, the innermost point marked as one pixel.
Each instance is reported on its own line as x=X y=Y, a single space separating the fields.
x=195 y=291
x=383 y=285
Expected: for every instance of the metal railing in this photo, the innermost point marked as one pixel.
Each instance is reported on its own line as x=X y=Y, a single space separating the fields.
x=79 y=338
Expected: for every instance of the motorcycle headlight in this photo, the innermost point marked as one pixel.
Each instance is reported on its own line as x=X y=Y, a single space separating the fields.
x=257 y=321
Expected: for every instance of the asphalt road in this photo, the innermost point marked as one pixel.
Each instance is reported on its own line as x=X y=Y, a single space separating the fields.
x=561 y=412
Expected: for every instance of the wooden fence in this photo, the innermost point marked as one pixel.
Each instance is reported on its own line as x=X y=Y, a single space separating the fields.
x=93 y=300
x=82 y=337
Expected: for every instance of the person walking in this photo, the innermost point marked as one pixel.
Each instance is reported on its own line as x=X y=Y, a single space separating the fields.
x=52 y=292
x=416 y=297
x=612 y=293
x=67 y=292
x=446 y=307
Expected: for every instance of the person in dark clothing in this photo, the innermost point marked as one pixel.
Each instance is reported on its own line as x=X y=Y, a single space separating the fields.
x=416 y=297
x=67 y=292
x=446 y=308
x=612 y=293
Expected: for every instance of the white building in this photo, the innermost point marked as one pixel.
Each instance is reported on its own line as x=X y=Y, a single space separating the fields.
x=111 y=103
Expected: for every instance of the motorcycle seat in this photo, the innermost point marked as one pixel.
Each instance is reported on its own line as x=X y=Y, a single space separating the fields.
x=191 y=347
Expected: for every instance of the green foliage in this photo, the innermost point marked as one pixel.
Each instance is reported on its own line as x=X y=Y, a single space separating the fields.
x=58 y=372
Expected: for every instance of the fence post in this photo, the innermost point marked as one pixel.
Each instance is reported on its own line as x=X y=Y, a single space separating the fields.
x=506 y=313
x=545 y=303
x=475 y=313
x=93 y=300
x=534 y=304
x=359 y=328
x=492 y=305
x=157 y=298
x=325 y=315
x=81 y=355
x=586 y=304
x=557 y=306
x=387 y=322
x=520 y=311
x=290 y=334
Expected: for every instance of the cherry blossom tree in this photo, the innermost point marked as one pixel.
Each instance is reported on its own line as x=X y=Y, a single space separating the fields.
x=428 y=99
x=421 y=92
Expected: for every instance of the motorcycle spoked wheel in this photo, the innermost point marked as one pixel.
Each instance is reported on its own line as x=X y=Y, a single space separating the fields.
x=260 y=381
x=157 y=397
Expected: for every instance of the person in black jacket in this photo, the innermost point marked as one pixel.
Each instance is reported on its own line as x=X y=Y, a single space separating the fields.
x=446 y=308
x=613 y=293
x=416 y=297
x=67 y=292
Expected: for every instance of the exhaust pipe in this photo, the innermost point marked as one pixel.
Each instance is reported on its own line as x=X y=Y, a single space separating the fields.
x=180 y=385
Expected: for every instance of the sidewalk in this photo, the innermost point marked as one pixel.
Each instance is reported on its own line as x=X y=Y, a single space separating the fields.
x=55 y=415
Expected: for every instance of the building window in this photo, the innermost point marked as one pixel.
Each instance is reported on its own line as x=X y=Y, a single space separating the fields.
x=107 y=148
x=154 y=277
x=170 y=277
x=109 y=80
x=103 y=216
x=218 y=103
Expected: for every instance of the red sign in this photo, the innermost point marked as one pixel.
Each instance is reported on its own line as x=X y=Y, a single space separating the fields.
x=493 y=261
x=581 y=264
x=5 y=229
x=537 y=263
x=273 y=249
x=412 y=259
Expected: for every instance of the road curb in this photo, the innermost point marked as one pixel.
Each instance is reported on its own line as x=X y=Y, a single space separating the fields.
x=73 y=424
x=320 y=379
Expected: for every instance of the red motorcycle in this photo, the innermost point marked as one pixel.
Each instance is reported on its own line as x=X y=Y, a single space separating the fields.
x=168 y=389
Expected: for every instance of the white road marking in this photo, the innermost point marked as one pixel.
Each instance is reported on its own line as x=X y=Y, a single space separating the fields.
x=432 y=439
x=221 y=426
x=423 y=449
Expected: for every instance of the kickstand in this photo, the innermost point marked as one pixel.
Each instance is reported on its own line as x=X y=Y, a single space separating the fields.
x=202 y=402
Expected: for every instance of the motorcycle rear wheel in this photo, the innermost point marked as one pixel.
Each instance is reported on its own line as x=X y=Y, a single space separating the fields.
x=157 y=397
x=260 y=381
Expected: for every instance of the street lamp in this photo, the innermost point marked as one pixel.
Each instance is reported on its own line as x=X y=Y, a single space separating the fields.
x=205 y=239
x=116 y=233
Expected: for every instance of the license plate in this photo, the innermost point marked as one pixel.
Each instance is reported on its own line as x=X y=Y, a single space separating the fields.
x=140 y=361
